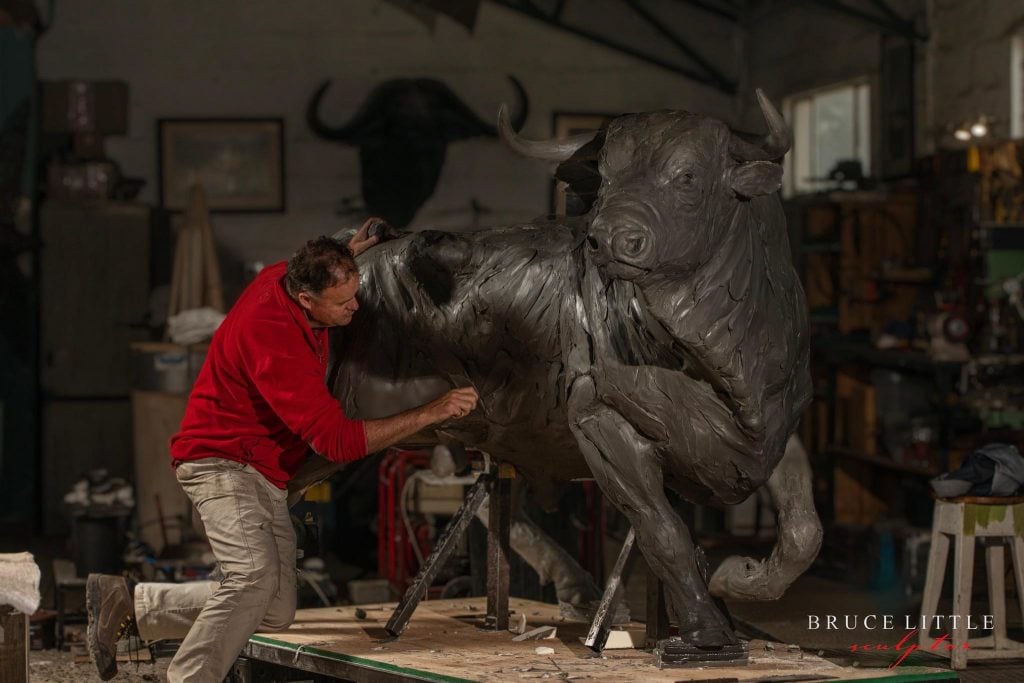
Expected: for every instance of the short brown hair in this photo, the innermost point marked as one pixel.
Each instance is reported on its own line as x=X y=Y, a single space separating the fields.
x=323 y=262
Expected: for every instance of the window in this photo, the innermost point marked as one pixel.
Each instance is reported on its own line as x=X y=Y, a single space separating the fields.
x=829 y=126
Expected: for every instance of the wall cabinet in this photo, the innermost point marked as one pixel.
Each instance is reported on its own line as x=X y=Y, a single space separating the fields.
x=94 y=298
x=95 y=286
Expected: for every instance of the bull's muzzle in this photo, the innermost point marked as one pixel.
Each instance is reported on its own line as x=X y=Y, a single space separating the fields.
x=627 y=244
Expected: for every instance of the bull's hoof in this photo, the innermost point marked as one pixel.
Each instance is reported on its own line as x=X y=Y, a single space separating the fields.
x=713 y=637
x=680 y=652
x=742 y=578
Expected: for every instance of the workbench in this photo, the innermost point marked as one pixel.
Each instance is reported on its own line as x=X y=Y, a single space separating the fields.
x=444 y=642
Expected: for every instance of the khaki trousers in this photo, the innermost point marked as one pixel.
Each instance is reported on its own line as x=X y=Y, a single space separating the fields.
x=250 y=532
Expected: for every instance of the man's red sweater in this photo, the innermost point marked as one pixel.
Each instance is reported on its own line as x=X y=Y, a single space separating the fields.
x=261 y=395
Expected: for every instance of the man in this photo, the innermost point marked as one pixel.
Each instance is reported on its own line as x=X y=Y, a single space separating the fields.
x=259 y=402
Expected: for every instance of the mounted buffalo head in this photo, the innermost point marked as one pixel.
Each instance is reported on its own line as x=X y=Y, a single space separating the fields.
x=402 y=131
x=664 y=185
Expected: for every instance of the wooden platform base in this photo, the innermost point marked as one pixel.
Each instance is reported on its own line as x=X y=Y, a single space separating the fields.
x=445 y=642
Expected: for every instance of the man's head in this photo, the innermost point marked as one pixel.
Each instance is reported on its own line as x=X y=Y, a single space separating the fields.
x=324 y=279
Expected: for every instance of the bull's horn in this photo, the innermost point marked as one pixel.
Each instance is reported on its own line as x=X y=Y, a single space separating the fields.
x=779 y=139
x=321 y=129
x=773 y=145
x=524 y=103
x=547 y=150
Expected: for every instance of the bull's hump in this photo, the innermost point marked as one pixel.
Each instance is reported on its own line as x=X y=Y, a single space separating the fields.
x=469 y=291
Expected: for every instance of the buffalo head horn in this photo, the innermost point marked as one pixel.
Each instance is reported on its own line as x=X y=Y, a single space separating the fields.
x=558 y=149
x=771 y=146
x=416 y=99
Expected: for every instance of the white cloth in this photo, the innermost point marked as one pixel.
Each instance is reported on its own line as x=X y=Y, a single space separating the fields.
x=194 y=325
x=19 y=582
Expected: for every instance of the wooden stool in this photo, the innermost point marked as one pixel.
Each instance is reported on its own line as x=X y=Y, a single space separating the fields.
x=967 y=518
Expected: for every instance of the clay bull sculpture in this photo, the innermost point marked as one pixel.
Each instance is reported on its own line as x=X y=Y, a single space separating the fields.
x=659 y=342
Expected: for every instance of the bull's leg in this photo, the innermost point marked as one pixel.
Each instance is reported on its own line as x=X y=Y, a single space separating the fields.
x=799 y=536
x=629 y=472
x=553 y=563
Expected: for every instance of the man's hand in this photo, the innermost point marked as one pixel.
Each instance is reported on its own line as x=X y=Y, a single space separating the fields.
x=363 y=240
x=454 y=404
x=457 y=403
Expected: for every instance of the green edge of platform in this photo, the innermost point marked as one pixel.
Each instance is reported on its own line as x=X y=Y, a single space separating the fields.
x=912 y=675
x=368 y=663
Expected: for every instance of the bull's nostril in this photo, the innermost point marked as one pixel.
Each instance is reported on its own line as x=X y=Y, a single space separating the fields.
x=592 y=243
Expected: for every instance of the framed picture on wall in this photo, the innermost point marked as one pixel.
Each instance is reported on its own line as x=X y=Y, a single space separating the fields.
x=567 y=124
x=238 y=161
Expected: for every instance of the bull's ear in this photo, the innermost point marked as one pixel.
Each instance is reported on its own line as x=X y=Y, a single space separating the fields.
x=756 y=178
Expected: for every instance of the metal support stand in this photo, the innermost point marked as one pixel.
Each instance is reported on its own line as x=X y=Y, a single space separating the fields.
x=602 y=623
x=498 y=527
x=657 y=611
x=65 y=578
x=497 y=486
x=442 y=551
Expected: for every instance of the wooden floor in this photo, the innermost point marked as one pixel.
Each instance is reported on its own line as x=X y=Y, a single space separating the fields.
x=444 y=643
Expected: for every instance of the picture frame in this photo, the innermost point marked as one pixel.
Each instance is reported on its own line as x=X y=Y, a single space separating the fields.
x=563 y=125
x=239 y=161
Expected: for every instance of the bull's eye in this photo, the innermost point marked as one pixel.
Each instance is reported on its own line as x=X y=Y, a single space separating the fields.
x=687 y=183
x=683 y=177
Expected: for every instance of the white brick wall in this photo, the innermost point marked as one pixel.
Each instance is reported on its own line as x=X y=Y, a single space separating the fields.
x=265 y=58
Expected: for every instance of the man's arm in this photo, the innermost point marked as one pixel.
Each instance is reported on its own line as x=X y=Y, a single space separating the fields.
x=390 y=430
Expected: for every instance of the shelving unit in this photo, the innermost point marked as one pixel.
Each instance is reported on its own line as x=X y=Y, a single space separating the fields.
x=858 y=255
x=838 y=452
x=852 y=249
x=854 y=472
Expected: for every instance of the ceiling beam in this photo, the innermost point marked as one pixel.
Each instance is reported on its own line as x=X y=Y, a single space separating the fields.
x=713 y=9
x=529 y=9
x=899 y=20
x=902 y=27
x=658 y=26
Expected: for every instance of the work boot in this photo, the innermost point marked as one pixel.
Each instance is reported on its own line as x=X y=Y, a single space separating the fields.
x=111 y=613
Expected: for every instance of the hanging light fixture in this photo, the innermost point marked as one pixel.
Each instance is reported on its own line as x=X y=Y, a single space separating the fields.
x=972 y=129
